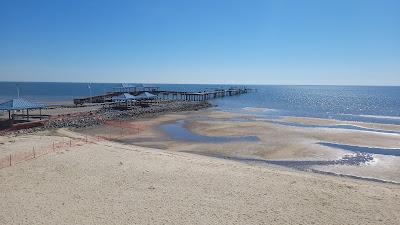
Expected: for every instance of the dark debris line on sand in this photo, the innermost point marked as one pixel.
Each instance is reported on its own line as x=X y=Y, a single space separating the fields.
x=356 y=159
x=93 y=118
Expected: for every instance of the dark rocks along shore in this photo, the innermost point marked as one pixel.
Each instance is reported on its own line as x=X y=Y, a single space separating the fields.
x=98 y=117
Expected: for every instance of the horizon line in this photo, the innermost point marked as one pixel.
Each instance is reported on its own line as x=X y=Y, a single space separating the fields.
x=252 y=84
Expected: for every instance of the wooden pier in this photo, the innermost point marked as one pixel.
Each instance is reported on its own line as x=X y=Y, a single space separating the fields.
x=170 y=94
x=202 y=96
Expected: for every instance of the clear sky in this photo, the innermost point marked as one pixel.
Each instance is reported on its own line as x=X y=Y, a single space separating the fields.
x=201 y=41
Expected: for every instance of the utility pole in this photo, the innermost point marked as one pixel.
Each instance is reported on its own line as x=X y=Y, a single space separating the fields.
x=90 y=92
x=17 y=85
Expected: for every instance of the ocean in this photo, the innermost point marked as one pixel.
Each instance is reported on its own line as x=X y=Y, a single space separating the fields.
x=379 y=104
x=350 y=103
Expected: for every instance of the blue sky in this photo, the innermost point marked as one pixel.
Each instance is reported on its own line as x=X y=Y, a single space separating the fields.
x=201 y=41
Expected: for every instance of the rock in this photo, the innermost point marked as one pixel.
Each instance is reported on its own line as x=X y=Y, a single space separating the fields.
x=94 y=118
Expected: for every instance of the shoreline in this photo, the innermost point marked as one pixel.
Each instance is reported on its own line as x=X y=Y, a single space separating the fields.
x=94 y=116
x=283 y=165
x=106 y=183
x=275 y=142
x=127 y=183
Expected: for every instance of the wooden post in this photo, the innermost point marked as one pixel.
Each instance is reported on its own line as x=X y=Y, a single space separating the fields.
x=53 y=146
x=10 y=159
x=33 y=150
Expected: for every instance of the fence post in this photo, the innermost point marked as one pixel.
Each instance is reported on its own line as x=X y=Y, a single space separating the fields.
x=10 y=159
x=53 y=146
x=34 y=154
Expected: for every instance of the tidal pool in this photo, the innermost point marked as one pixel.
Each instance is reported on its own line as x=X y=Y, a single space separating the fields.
x=178 y=132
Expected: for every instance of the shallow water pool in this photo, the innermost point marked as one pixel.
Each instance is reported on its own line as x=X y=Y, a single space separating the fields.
x=178 y=132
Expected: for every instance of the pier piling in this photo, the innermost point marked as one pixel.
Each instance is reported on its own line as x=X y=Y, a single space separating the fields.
x=172 y=94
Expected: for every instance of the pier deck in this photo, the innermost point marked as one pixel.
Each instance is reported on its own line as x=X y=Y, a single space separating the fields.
x=171 y=94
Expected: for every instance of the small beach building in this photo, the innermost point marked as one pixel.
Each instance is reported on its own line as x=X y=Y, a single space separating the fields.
x=145 y=95
x=18 y=104
x=125 y=98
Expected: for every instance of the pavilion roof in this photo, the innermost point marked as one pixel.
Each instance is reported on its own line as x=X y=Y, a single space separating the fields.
x=20 y=103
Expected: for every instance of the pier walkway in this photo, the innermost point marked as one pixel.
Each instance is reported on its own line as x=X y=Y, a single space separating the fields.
x=169 y=94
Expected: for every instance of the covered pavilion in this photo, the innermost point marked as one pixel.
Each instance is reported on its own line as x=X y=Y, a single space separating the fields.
x=20 y=104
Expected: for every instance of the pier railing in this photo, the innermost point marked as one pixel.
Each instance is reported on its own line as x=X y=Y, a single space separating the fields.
x=171 y=94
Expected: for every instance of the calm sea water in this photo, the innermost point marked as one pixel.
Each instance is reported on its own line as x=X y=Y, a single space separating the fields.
x=355 y=103
x=359 y=103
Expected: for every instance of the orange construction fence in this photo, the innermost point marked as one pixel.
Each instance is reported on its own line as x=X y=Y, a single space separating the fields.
x=127 y=129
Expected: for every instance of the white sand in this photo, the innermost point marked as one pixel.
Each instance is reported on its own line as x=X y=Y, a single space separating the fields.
x=109 y=183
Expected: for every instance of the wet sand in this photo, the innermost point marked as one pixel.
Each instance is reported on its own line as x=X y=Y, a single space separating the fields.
x=318 y=121
x=275 y=141
x=112 y=183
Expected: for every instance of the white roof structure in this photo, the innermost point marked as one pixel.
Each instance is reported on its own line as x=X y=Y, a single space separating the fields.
x=19 y=104
x=123 y=97
x=146 y=95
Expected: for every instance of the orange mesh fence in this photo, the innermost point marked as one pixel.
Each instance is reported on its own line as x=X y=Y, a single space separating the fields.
x=127 y=129
x=36 y=151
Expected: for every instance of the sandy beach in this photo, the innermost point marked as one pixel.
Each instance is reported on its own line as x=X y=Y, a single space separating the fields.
x=111 y=183
x=200 y=112
x=163 y=182
x=275 y=142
